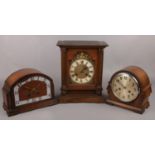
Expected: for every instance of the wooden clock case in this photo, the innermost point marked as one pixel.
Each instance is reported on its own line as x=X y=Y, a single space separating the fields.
x=77 y=93
x=8 y=94
x=142 y=101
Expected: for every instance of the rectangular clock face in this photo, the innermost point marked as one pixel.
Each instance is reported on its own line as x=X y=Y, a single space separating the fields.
x=32 y=90
x=82 y=68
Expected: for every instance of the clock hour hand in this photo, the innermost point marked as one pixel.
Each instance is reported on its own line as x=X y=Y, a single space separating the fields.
x=85 y=68
x=35 y=90
x=28 y=88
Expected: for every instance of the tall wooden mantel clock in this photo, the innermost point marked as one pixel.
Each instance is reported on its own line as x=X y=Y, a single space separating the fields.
x=82 y=68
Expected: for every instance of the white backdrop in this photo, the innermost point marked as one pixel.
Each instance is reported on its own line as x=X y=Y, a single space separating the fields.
x=41 y=52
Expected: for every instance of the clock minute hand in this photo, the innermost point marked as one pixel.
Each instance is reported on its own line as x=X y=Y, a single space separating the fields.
x=121 y=84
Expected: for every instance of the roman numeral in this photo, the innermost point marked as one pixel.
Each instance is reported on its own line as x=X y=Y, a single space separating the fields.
x=73 y=75
x=86 y=63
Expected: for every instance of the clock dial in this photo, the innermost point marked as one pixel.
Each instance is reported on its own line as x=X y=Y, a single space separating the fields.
x=34 y=89
x=125 y=87
x=81 y=71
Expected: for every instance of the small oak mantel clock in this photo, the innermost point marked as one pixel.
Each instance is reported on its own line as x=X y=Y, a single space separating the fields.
x=82 y=68
x=130 y=88
x=27 y=89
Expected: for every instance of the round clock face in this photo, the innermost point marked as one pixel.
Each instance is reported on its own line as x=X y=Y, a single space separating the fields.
x=81 y=71
x=125 y=87
x=34 y=89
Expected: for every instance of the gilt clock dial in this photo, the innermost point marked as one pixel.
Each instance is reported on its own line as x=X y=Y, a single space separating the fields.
x=82 y=70
x=125 y=87
x=34 y=89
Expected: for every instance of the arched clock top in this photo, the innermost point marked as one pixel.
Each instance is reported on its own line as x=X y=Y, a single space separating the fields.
x=18 y=75
x=141 y=75
x=21 y=75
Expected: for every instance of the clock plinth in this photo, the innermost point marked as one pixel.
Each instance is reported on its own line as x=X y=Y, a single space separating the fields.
x=30 y=107
x=81 y=71
x=138 y=109
x=81 y=98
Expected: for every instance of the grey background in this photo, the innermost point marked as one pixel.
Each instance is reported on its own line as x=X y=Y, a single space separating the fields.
x=41 y=52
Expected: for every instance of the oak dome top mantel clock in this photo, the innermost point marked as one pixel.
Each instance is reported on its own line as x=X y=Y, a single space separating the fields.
x=81 y=71
x=130 y=88
x=27 y=89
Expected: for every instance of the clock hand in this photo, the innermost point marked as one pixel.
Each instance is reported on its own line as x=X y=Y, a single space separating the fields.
x=31 y=91
x=121 y=84
x=129 y=83
x=83 y=69
x=28 y=88
x=35 y=90
x=124 y=87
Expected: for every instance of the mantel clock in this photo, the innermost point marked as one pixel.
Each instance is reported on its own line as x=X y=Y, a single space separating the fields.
x=130 y=88
x=82 y=68
x=27 y=89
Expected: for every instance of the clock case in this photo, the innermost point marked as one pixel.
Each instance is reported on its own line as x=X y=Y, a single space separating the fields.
x=8 y=94
x=77 y=93
x=142 y=101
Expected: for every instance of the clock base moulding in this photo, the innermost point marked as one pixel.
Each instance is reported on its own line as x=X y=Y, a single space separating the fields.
x=140 y=108
x=30 y=107
x=81 y=98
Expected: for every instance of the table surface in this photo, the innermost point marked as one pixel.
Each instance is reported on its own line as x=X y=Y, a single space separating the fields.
x=82 y=111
